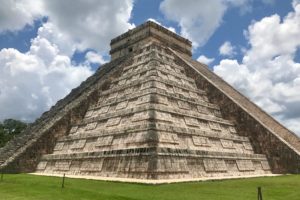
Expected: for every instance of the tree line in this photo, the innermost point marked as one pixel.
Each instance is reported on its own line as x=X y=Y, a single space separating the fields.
x=9 y=128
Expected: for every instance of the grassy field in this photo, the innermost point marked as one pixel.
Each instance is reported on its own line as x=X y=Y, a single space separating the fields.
x=30 y=187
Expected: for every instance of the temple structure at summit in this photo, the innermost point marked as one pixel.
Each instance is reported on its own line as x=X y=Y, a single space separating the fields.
x=154 y=113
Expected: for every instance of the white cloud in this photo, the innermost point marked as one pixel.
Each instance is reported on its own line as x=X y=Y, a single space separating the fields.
x=14 y=15
x=205 y=60
x=227 y=49
x=90 y=24
x=63 y=42
x=268 y=74
x=31 y=82
x=81 y=24
x=95 y=58
x=198 y=20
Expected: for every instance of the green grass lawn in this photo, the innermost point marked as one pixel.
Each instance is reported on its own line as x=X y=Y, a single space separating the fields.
x=30 y=187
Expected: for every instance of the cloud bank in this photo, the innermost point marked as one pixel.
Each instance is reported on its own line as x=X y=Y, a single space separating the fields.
x=31 y=82
x=268 y=73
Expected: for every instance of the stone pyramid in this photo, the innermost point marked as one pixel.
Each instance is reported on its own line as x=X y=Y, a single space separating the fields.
x=153 y=113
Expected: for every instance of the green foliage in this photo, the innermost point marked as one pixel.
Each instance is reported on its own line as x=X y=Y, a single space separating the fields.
x=9 y=128
x=31 y=187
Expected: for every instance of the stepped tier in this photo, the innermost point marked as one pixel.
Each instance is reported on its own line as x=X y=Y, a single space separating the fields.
x=153 y=122
x=155 y=163
x=154 y=113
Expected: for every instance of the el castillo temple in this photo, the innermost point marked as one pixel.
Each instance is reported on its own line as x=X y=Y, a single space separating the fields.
x=153 y=113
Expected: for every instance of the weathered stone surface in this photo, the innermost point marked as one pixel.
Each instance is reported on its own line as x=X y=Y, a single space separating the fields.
x=152 y=113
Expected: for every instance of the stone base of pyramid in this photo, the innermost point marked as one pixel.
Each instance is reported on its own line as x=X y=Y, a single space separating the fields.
x=155 y=164
x=162 y=181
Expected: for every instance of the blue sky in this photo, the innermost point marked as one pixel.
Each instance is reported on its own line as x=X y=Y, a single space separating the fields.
x=49 y=47
x=233 y=24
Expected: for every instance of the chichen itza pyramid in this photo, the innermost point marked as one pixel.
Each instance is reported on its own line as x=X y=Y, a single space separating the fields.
x=154 y=113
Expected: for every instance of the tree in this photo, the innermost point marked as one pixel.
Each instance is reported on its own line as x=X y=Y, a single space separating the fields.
x=9 y=128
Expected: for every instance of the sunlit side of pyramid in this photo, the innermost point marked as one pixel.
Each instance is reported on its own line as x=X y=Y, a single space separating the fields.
x=154 y=113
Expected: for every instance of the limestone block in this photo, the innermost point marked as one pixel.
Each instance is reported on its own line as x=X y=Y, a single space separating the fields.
x=89 y=113
x=63 y=165
x=128 y=90
x=91 y=165
x=91 y=126
x=112 y=95
x=128 y=81
x=177 y=90
x=143 y=99
x=59 y=146
x=73 y=129
x=121 y=93
x=122 y=105
x=127 y=72
x=183 y=105
x=214 y=165
x=165 y=138
x=163 y=116
x=217 y=112
x=122 y=82
x=187 y=83
x=193 y=95
x=162 y=75
x=227 y=144
x=178 y=120
x=102 y=98
x=232 y=129
x=141 y=116
x=265 y=165
x=162 y=100
x=183 y=166
x=200 y=141
x=247 y=146
x=139 y=166
x=135 y=77
x=164 y=164
x=168 y=138
x=102 y=110
x=78 y=144
x=146 y=85
x=179 y=71
x=245 y=165
x=169 y=68
x=214 y=126
x=113 y=121
x=191 y=121
x=112 y=85
x=180 y=91
x=172 y=78
x=203 y=125
x=104 y=141
x=202 y=109
x=42 y=165
x=144 y=75
x=175 y=138
x=161 y=85
x=170 y=89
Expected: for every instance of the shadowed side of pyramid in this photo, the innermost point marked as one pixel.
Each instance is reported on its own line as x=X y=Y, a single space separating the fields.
x=156 y=114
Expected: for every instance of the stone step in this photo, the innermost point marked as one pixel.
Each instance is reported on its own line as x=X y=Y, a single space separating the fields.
x=147 y=109
x=140 y=127
x=128 y=95
x=150 y=151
